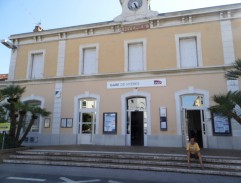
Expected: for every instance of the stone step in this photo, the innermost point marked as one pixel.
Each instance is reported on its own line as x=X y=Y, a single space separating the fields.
x=142 y=156
x=142 y=162
x=127 y=166
x=230 y=166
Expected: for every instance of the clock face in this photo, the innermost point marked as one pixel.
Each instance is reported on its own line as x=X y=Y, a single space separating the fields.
x=134 y=4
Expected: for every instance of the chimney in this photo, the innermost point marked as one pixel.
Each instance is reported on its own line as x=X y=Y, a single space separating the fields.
x=38 y=28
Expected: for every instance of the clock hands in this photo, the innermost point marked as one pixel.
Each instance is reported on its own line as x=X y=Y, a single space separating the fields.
x=134 y=4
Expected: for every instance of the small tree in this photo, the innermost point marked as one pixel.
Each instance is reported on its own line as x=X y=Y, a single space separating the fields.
x=17 y=112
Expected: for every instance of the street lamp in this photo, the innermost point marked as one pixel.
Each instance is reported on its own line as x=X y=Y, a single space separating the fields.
x=8 y=44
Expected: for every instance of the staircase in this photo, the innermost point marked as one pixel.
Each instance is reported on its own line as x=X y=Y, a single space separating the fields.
x=224 y=166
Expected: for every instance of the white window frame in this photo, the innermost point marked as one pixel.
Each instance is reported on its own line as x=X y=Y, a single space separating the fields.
x=77 y=109
x=126 y=48
x=30 y=62
x=81 y=58
x=196 y=35
x=42 y=101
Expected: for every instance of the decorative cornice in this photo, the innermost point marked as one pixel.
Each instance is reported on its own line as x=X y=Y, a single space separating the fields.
x=119 y=76
x=106 y=28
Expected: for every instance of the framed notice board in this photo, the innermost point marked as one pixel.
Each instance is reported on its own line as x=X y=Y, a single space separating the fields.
x=110 y=123
x=221 y=125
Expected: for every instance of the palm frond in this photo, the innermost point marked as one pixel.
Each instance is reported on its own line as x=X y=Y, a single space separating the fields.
x=236 y=73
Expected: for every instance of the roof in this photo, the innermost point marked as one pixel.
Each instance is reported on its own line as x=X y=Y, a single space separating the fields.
x=112 y=23
x=3 y=76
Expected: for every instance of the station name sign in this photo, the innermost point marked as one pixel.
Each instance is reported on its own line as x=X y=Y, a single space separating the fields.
x=137 y=83
x=129 y=28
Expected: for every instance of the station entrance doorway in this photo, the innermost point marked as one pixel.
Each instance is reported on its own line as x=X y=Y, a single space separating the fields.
x=193 y=123
x=136 y=126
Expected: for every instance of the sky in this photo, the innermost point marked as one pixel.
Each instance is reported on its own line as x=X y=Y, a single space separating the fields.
x=21 y=16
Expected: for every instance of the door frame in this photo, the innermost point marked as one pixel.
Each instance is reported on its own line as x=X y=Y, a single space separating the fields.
x=89 y=137
x=207 y=116
x=77 y=111
x=185 y=137
x=133 y=94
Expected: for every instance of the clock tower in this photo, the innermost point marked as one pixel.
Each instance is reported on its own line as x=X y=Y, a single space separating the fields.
x=134 y=10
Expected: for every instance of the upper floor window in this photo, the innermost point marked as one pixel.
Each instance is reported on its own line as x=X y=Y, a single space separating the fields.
x=189 y=50
x=89 y=60
x=135 y=59
x=135 y=56
x=36 y=65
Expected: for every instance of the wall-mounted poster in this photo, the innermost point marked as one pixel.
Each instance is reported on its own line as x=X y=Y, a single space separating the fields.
x=66 y=122
x=163 y=118
x=221 y=125
x=47 y=123
x=110 y=123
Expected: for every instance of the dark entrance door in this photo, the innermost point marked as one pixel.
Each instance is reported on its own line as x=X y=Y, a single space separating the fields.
x=137 y=128
x=195 y=126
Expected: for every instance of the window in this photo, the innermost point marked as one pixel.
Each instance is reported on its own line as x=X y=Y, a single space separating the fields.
x=87 y=116
x=36 y=66
x=35 y=127
x=88 y=103
x=89 y=60
x=135 y=55
x=88 y=123
x=192 y=101
x=189 y=50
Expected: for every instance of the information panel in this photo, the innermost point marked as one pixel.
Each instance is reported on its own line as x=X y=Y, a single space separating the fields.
x=221 y=125
x=137 y=83
x=110 y=123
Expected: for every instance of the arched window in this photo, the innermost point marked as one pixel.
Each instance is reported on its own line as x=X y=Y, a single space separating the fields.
x=36 y=125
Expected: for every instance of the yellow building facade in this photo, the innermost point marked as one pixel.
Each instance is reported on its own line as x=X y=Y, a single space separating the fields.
x=142 y=79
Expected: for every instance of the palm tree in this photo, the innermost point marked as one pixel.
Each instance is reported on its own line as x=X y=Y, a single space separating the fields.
x=228 y=105
x=14 y=93
x=2 y=97
x=35 y=113
x=17 y=113
x=236 y=73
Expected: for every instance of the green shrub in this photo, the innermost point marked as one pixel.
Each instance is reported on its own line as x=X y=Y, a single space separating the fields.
x=8 y=143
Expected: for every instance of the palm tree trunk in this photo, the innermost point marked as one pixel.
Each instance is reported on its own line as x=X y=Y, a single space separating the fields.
x=27 y=130
x=20 y=124
x=13 y=121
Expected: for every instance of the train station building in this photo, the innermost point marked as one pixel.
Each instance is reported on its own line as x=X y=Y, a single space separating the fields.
x=143 y=79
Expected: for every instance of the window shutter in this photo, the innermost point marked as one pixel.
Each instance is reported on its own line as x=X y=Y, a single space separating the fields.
x=135 y=60
x=188 y=52
x=37 y=66
x=89 y=61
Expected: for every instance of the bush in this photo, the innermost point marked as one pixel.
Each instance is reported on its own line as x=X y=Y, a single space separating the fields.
x=8 y=143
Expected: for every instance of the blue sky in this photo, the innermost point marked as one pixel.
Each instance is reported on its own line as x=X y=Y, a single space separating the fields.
x=20 y=16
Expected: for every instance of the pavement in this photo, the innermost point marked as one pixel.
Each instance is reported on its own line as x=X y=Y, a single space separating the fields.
x=138 y=149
